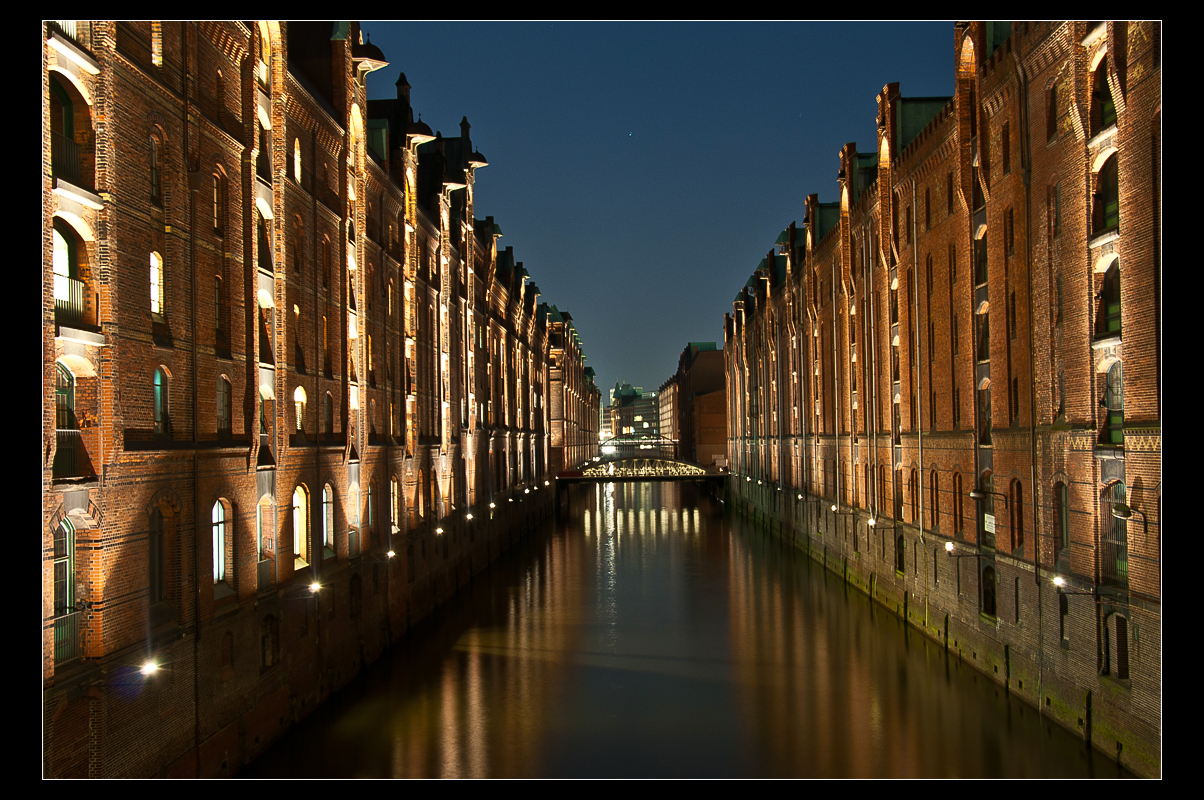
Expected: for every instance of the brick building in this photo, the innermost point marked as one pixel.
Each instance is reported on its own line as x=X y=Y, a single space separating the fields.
x=964 y=350
x=293 y=392
x=693 y=405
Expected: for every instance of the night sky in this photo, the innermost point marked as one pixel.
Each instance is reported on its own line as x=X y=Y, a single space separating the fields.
x=640 y=171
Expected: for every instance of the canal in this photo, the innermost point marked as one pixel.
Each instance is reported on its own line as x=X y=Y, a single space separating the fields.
x=645 y=634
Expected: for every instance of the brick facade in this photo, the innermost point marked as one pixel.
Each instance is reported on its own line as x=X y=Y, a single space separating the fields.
x=979 y=309
x=279 y=350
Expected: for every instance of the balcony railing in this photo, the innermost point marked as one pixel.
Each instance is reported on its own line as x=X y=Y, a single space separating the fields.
x=66 y=637
x=68 y=301
x=64 y=160
x=70 y=457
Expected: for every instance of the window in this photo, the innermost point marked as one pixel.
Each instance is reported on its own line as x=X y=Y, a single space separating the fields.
x=300 y=528
x=934 y=490
x=1114 y=536
x=914 y=496
x=957 y=505
x=1106 y=214
x=988 y=591
x=64 y=572
x=328 y=416
x=157 y=303
x=949 y=193
x=1051 y=113
x=328 y=521
x=1006 y=146
x=219 y=204
x=1114 y=404
x=297 y=160
x=1063 y=615
x=299 y=408
x=1110 y=300
x=1016 y=507
x=927 y=209
x=156 y=188
x=1057 y=210
x=1061 y=519
x=900 y=546
x=162 y=397
x=219 y=542
x=1103 y=109
x=223 y=405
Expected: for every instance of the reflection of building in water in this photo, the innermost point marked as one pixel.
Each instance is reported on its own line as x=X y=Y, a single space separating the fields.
x=485 y=714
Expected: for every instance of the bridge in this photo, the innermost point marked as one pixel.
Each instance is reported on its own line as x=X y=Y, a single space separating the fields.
x=638 y=457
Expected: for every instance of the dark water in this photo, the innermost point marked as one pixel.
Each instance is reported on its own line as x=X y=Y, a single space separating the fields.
x=650 y=636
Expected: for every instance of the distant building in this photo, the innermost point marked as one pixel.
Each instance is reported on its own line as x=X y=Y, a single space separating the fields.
x=693 y=405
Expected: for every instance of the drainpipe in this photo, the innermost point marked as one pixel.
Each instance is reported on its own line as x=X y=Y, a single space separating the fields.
x=836 y=385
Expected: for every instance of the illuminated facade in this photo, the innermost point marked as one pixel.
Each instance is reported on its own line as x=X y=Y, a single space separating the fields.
x=280 y=352
x=979 y=312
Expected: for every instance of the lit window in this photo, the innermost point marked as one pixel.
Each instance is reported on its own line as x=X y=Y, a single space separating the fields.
x=223 y=405
x=300 y=528
x=156 y=284
x=219 y=542
x=161 y=399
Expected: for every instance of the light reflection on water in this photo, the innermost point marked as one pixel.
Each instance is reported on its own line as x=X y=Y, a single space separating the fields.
x=648 y=636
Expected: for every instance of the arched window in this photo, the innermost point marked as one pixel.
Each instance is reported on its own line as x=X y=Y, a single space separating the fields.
x=1103 y=109
x=913 y=495
x=156 y=187
x=1061 y=518
x=162 y=398
x=219 y=542
x=299 y=407
x=219 y=204
x=328 y=520
x=900 y=546
x=934 y=489
x=64 y=570
x=988 y=591
x=157 y=295
x=300 y=528
x=297 y=160
x=68 y=289
x=1114 y=403
x=1106 y=214
x=64 y=398
x=66 y=631
x=223 y=405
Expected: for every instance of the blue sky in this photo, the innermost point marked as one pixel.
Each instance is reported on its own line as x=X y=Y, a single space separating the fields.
x=641 y=170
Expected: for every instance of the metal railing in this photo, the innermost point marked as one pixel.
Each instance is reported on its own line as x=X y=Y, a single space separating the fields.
x=68 y=301
x=66 y=637
x=64 y=159
x=69 y=459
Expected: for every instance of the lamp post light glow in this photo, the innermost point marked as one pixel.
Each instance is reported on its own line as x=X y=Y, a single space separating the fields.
x=468 y=515
x=315 y=587
x=149 y=668
x=872 y=522
x=390 y=554
x=439 y=531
